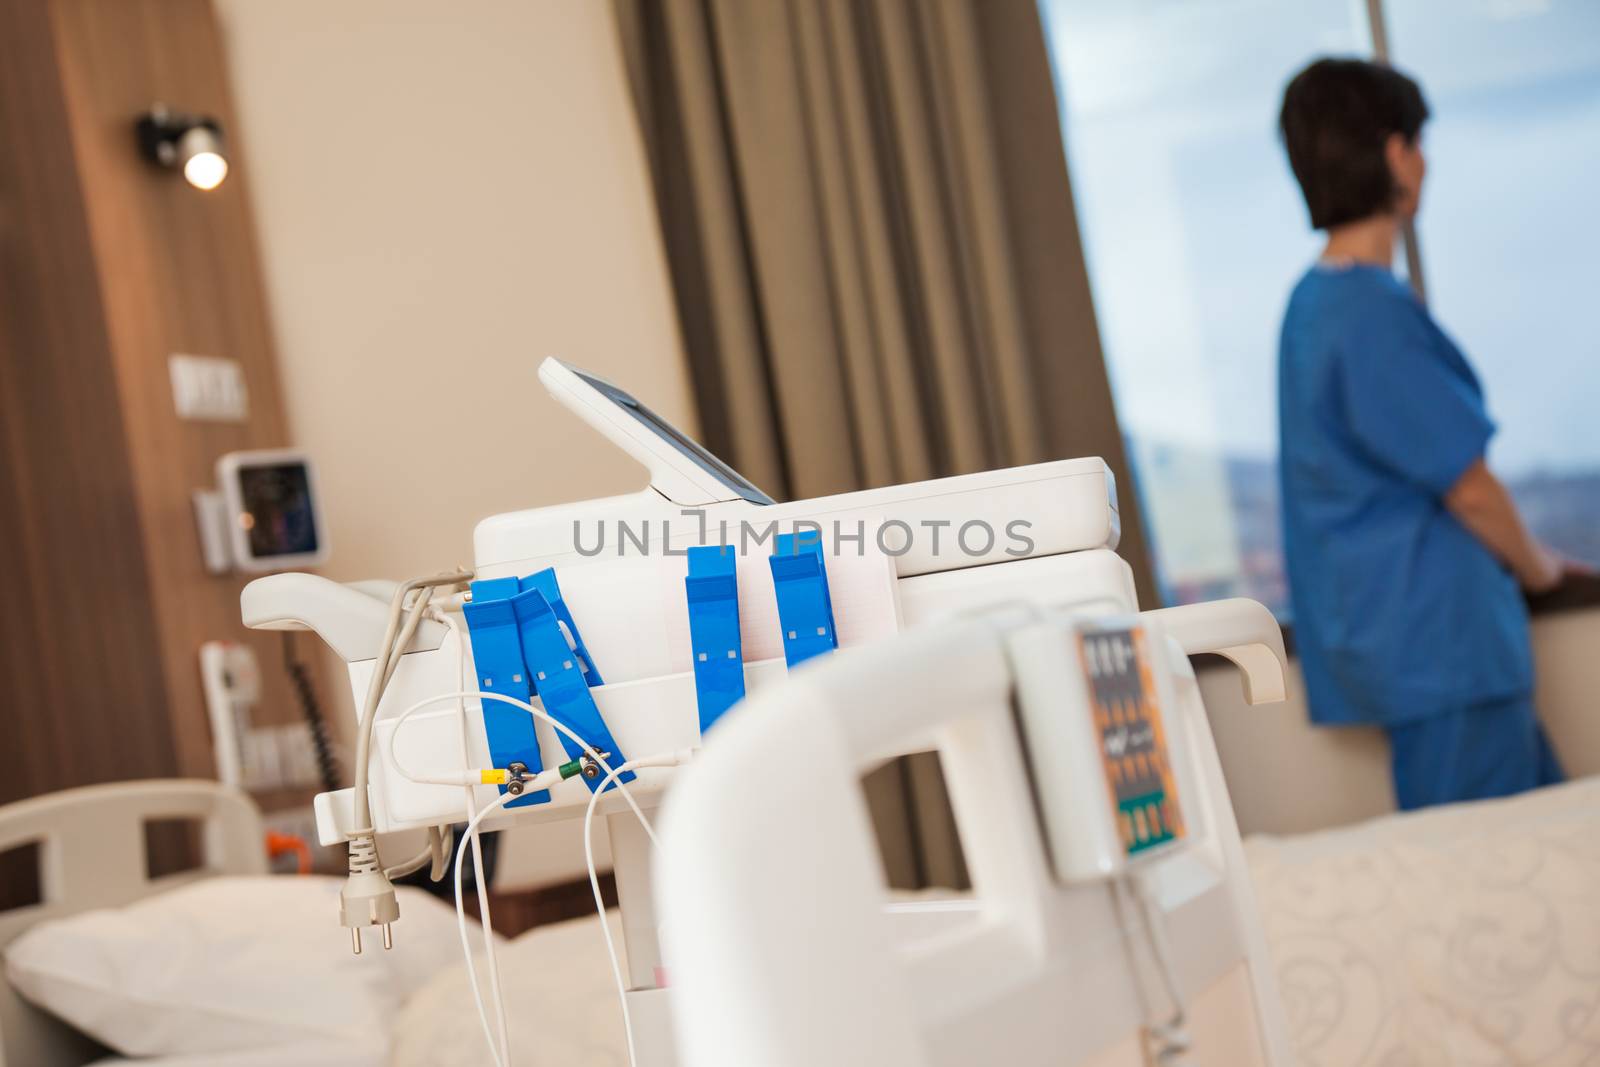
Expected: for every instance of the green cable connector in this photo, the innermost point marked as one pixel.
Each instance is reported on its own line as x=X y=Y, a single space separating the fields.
x=571 y=769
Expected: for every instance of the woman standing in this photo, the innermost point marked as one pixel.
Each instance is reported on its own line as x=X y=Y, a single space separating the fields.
x=1407 y=558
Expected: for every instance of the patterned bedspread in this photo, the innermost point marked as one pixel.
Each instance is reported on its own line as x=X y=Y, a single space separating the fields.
x=1466 y=935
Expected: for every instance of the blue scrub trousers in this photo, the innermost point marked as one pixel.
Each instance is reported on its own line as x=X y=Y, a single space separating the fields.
x=1487 y=750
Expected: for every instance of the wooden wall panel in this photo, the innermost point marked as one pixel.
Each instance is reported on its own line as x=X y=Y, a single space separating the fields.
x=83 y=695
x=178 y=272
x=108 y=265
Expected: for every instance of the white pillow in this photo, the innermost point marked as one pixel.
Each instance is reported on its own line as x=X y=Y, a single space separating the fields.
x=227 y=964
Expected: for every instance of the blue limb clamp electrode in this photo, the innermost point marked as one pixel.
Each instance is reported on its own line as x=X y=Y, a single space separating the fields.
x=497 y=654
x=805 y=609
x=545 y=582
x=559 y=671
x=712 y=590
x=525 y=643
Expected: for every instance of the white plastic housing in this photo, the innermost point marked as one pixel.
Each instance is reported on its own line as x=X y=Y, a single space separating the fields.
x=632 y=616
x=785 y=953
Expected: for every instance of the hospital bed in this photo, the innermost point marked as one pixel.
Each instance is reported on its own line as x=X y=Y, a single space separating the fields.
x=1464 y=934
x=91 y=848
x=1457 y=935
x=91 y=853
x=1114 y=908
x=198 y=968
x=639 y=621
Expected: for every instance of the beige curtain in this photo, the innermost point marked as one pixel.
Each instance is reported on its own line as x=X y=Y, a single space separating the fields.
x=876 y=264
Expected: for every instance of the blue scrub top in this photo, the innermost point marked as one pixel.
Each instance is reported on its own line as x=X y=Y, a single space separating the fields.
x=1399 y=611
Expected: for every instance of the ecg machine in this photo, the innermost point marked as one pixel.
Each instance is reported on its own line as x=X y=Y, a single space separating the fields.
x=794 y=646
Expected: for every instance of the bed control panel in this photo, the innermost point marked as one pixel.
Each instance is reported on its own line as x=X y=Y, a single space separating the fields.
x=1133 y=746
x=1098 y=746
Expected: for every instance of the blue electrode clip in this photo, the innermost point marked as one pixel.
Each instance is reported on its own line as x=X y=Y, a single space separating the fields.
x=545 y=582
x=805 y=609
x=558 y=671
x=712 y=590
x=497 y=654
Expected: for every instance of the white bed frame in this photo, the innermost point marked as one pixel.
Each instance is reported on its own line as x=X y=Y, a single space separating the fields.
x=92 y=855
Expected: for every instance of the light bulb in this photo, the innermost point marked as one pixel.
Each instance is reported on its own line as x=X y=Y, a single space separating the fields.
x=205 y=170
x=204 y=165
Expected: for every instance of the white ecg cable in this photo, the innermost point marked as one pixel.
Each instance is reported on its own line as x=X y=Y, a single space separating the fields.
x=672 y=759
x=589 y=750
x=541 y=781
x=471 y=835
x=502 y=1031
x=1170 y=1042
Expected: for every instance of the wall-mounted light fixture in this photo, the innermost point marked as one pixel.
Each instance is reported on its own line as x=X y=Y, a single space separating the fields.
x=190 y=143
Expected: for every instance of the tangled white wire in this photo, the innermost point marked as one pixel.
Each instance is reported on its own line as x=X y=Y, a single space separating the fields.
x=479 y=881
x=594 y=878
x=471 y=835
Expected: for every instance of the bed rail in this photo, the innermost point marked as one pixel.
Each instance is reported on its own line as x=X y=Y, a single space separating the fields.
x=92 y=854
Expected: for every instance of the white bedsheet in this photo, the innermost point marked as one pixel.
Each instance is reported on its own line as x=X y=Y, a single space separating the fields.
x=1466 y=935
x=316 y=1054
x=561 y=1005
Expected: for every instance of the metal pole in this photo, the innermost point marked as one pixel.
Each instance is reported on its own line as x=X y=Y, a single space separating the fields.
x=1379 y=28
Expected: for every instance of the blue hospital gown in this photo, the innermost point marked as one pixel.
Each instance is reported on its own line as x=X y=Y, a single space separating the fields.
x=1402 y=617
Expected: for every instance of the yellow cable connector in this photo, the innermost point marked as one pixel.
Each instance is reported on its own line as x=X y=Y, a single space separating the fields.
x=495 y=776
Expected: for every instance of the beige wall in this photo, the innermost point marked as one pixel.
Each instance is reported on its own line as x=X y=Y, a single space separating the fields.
x=445 y=194
x=1286 y=776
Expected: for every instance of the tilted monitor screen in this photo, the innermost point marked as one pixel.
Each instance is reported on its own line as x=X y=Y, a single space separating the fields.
x=680 y=441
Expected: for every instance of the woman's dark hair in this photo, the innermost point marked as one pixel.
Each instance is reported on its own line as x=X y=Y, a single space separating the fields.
x=1337 y=114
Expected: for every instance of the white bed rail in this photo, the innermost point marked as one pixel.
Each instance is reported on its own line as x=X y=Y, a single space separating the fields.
x=92 y=854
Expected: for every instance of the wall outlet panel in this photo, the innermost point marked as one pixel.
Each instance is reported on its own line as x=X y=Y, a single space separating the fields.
x=208 y=388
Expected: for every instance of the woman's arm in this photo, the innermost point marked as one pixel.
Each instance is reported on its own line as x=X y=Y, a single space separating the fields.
x=1483 y=505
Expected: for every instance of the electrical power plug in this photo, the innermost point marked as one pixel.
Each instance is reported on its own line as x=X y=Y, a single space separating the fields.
x=368 y=897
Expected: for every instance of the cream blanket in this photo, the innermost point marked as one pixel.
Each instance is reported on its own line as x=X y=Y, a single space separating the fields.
x=1467 y=935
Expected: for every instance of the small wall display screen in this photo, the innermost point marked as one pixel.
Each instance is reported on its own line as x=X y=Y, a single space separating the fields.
x=278 y=515
x=673 y=436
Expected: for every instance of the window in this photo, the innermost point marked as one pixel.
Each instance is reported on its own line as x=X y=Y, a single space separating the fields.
x=1194 y=233
x=1510 y=232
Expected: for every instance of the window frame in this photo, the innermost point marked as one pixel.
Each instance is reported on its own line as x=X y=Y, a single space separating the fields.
x=1576 y=593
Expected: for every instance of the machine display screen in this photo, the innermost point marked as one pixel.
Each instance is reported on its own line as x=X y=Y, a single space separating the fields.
x=713 y=466
x=277 y=510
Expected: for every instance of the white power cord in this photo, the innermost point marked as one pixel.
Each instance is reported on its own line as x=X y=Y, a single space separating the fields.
x=368 y=897
x=433 y=854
